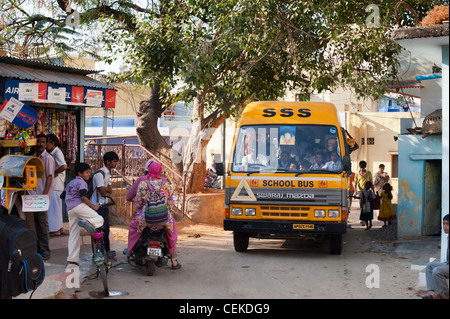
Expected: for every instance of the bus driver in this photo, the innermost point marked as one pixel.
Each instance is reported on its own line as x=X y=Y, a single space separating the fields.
x=253 y=158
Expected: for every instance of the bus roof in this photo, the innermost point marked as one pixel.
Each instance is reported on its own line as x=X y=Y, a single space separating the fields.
x=280 y=112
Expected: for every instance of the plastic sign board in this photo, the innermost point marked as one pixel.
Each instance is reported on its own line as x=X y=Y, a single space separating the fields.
x=94 y=97
x=40 y=92
x=28 y=91
x=110 y=99
x=56 y=95
x=18 y=113
x=35 y=203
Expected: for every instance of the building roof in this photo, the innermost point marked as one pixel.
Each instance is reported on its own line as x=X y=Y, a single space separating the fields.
x=432 y=31
x=44 y=65
x=404 y=84
x=29 y=70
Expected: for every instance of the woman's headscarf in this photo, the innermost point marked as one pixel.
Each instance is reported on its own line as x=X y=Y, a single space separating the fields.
x=148 y=163
x=154 y=170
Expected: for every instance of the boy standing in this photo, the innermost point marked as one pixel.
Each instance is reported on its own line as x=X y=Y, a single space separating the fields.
x=101 y=184
x=362 y=176
x=79 y=208
x=44 y=187
x=55 y=217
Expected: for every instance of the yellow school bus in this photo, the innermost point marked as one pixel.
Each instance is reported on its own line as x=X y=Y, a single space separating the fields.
x=287 y=174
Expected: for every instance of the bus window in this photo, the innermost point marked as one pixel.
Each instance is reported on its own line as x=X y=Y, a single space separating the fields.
x=275 y=147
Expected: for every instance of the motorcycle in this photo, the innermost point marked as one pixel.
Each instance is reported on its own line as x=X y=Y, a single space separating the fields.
x=150 y=251
x=212 y=179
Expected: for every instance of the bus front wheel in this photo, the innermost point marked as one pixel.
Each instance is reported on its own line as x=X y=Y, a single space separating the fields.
x=241 y=241
x=336 y=244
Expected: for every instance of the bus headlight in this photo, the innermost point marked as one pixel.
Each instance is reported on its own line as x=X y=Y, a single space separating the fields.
x=250 y=212
x=319 y=213
x=333 y=213
x=236 y=211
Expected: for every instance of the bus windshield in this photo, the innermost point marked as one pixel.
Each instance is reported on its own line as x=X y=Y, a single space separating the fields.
x=287 y=148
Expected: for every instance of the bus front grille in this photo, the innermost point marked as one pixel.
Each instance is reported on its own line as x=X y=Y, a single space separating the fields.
x=285 y=211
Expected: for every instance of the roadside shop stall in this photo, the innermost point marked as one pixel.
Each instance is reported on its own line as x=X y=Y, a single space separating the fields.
x=38 y=97
x=18 y=174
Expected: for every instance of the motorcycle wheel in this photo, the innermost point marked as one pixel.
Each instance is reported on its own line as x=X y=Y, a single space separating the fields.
x=150 y=268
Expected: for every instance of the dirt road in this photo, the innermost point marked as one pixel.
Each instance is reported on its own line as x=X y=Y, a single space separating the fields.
x=270 y=269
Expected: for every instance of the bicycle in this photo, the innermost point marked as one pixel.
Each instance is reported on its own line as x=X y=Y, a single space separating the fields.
x=101 y=259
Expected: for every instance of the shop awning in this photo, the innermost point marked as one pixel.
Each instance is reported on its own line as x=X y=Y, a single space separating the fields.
x=41 y=82
x=396 y=87
x=404 y=85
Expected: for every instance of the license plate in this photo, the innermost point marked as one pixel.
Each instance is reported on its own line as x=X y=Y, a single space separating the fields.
x=154 y=252
x=303 y=226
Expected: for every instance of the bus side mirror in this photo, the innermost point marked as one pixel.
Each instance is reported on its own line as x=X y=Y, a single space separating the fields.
x=219 y=169
x=352 y=145
x=346 y=163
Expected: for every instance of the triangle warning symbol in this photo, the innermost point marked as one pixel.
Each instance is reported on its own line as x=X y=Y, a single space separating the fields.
x=250 y=197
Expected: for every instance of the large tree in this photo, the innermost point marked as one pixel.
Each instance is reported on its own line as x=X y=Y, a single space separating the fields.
x=222 y=54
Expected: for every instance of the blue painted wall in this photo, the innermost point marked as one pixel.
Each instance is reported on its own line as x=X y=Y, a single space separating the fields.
x=413 y=151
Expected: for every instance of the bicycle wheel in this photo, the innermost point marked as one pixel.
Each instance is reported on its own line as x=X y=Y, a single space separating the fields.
x=103 y=273
x=101 y=261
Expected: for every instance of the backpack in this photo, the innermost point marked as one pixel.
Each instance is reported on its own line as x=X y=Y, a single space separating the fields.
x=21 y=266
x=367 y=204
x=91 y=183
x=155 y=210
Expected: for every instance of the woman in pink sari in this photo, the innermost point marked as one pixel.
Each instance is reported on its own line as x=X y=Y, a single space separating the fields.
x=138 y=223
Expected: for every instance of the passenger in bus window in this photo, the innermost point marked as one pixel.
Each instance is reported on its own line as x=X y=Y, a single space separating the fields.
x=309 y=156
x=318 y=162
x=293 y=167
x=335 y=163
x=284 y=162
x=304 y=165
x=331 y=147
x=317 y=148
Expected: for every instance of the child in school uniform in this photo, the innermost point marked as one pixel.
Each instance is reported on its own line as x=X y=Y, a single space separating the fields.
x=387 y=213
x=366 y=197
x=80 y=210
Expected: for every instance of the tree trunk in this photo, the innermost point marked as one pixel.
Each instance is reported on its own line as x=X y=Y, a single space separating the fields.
x=194 y=158
x=149 y=137
x=194 y=161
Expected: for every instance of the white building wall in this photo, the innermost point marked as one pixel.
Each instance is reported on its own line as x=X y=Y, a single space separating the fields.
x=431 y=96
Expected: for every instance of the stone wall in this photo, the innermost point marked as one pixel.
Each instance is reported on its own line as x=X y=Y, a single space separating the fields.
x=207 y=208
